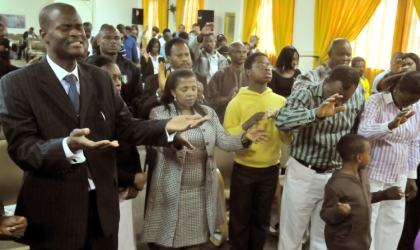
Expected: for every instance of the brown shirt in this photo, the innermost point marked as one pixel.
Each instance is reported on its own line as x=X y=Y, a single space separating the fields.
x=351 y=231
x=220 y=85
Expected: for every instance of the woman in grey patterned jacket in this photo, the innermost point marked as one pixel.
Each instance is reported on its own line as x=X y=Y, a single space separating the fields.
x=184 y=206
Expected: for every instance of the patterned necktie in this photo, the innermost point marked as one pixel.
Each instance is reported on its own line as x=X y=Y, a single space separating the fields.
x=73 y=94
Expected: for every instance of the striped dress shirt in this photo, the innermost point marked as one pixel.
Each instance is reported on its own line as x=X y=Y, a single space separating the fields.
x=315 y=139
x=312 y=76
x=395 y=154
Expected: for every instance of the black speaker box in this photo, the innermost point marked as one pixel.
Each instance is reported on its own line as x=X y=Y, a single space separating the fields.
x=137 y=16
x=205 y=16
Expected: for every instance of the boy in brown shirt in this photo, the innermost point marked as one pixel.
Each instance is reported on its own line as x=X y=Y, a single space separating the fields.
x=347 y=202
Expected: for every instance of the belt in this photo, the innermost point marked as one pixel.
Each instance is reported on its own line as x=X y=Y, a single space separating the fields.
x=317 y=170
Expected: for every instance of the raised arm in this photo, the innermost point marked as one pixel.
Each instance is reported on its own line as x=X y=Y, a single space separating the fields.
x=295 y=114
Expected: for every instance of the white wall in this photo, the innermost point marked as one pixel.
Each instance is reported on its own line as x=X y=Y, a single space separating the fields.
x=21 y=7
x=303 y=32
x=113 y=12
x=220 y=7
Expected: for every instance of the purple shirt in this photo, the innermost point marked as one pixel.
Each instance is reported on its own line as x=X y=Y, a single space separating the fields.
x=395 y=154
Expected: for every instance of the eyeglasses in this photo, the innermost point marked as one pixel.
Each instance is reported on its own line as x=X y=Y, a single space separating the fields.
x=263 y=65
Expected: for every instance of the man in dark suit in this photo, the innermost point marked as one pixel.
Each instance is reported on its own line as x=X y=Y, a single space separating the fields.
x=109 y=42
x=69 y=193
x=179 y=57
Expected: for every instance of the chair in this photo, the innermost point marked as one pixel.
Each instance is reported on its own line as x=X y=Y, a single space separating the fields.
x=10 y=175
x=38 y=49
x=224 y=163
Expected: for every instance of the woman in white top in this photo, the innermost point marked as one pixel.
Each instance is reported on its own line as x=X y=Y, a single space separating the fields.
x=149 y=60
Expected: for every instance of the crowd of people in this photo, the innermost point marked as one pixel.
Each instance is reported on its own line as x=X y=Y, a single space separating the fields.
x=73 y=119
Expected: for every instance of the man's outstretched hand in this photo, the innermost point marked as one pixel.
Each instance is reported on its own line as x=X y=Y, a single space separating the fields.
x=78 y=141
x=184 y=122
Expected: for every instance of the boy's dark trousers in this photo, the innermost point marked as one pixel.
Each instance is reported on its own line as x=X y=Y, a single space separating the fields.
x=252 y=193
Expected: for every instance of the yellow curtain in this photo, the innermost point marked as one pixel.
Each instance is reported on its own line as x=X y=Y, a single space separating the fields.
x=145 y=5
x=180 y=7
x=191 y=16
x=201 y=4
x=251 y=8
x=162 y=15
x=339 y=18
x=283 y=24
x=403 y=23
x=417 y=5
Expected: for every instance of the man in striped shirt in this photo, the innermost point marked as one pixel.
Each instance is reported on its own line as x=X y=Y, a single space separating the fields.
x=318 y=115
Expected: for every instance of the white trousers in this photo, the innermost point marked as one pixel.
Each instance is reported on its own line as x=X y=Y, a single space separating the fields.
x=126 y=233
x=303 y=195
x=387 y=218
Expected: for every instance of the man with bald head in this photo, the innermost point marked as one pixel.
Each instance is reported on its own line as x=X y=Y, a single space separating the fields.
x=208 y=60
x=339 y=54
x=62 y=121
x=109 y=42
x=225 y=83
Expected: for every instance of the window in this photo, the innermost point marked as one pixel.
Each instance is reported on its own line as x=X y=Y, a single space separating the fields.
x=264 y=29
x=414 y=42
x=374 y=43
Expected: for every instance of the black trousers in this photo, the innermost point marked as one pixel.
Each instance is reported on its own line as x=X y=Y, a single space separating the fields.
x=252 y=194
x=95 y=238
x=411 y=222
x=21 y=49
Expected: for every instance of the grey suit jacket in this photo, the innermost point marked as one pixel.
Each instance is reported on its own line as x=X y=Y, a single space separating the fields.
x=36 y=116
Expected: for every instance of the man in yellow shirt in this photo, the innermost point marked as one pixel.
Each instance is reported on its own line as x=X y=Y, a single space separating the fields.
x=360 y=65
x=255 y=171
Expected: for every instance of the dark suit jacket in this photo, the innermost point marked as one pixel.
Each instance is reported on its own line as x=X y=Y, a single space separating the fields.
x=149 y=100
x=36 y=116
x=132 y=89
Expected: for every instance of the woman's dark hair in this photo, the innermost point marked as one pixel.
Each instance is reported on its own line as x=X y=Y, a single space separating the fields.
x=249 y=45
x=284 y=61
x=413 y=57
x=250 y=59
x=171 y=84
x=5 y=56
x=99 y=61
x=220 y=38
x=152 y=43
x=348 y=76
x=6 y=43
x=408 y=81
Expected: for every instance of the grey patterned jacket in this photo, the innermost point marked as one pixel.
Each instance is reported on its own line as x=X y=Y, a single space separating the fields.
x=166 y=181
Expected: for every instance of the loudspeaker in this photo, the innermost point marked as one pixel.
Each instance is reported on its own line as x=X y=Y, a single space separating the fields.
x=205 y=16
x=137 y=16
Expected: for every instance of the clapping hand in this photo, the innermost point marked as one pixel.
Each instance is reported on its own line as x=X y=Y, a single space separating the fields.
x=145 y=54
x=200 y=90
x=343 y=208
x=411 y=189
x=401 y=118
x=13 y=226
x=254 y=120
x=233 y=92
x=162 y=77
x=257 y=135
x=328 y=108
